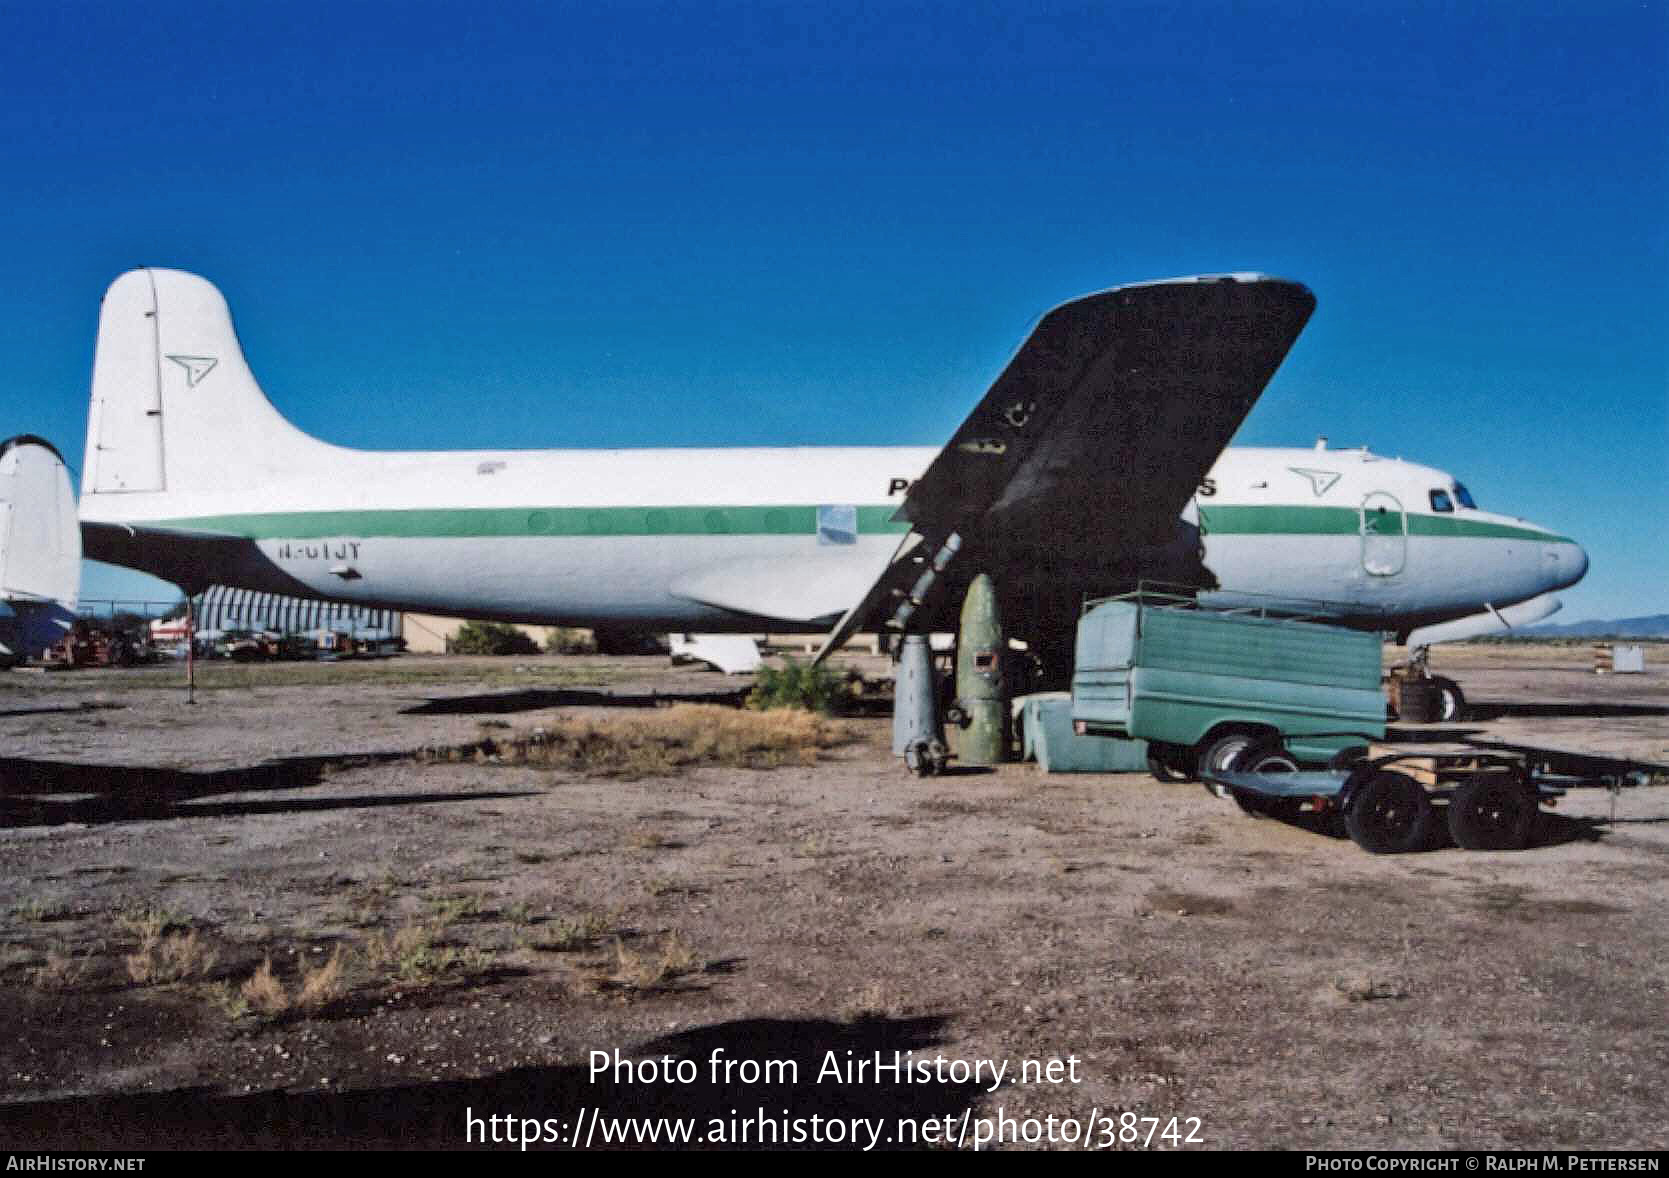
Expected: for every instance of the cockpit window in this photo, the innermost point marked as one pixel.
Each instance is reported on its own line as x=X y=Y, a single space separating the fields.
x=1464 y=496
x=1440 y=501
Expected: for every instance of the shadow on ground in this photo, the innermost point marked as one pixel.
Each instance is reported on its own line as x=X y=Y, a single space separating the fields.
x=48 y=793
x=1595 y=711
x=436 y=1115
x=504 y=702
x=1550 y=829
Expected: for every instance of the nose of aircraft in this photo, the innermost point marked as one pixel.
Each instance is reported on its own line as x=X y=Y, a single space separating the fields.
x=1568 y=562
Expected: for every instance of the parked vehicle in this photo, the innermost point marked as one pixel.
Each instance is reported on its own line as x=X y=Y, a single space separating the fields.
x=1214 y=689
x=1400 y=797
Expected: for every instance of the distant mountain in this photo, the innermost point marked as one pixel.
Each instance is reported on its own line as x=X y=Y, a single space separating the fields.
x=1654 y=626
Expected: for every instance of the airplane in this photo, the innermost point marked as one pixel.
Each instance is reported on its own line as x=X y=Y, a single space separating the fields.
x=40 y=549
x=1096 y=460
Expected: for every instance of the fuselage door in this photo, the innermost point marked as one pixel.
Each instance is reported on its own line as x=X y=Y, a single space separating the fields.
x=1384 y=535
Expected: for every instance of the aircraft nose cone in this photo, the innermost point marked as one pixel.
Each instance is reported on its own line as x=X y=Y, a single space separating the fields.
x=1569 y=563
x=1578 y=563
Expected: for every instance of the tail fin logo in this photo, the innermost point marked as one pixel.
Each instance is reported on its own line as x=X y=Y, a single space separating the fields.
x=196 y=367
x=1321 y=481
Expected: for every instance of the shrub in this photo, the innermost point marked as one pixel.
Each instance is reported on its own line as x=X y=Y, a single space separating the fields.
x=566 y=640
x=491 y=638
x=813 y=687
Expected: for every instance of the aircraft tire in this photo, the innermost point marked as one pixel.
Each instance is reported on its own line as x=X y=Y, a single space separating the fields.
x=1451 y=704
x=1491 y=812
x=1390 y=814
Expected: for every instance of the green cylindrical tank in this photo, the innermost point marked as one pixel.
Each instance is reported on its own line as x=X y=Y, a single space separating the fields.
x=982 y=690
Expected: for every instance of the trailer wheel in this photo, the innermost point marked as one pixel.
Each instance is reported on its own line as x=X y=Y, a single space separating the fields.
x=1348 y=759
x=1271 y=757
x=1390 y=815
x=1491 y=812
x=1451 y=704
x=1222 y=756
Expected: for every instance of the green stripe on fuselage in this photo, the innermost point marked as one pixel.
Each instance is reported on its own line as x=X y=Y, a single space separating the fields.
x=1293 y=520
x=452 y=522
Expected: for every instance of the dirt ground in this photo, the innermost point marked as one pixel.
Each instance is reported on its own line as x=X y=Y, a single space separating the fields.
x=1247 y=983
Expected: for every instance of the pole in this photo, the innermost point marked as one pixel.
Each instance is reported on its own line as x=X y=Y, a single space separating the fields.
x=190 y=651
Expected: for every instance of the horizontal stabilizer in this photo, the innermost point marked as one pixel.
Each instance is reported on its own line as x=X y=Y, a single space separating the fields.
x=733 y=654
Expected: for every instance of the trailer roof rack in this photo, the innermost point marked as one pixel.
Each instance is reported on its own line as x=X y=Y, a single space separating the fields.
x=1168 y=595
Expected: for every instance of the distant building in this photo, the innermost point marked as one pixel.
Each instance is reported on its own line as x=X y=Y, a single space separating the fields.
x=429 y=634
x=220 y=607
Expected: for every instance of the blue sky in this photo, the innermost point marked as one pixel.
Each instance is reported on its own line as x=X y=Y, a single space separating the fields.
x=459 y=225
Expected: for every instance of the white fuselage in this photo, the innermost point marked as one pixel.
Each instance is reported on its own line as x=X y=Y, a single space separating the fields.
x=731 y=539
x=192 y=473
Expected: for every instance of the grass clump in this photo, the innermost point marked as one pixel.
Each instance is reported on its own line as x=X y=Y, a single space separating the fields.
x=580 y=932
x=170 y=956
x=38 y=911
x=646 y=971
x=415 y=954
x=63 y=970
x=264 y=993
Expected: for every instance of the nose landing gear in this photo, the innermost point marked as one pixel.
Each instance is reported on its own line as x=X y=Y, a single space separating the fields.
x=1416 y=696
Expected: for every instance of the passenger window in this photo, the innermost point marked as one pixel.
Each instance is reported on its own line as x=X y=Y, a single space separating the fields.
x=1465 y=497
x=1440 y=501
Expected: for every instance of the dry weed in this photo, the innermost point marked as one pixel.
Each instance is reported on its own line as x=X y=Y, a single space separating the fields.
x=647 y=971
x=324 y=983
x=61 y=971
x=164 y=957
x=868 y=1005
x=264 y=993
x=658 y=742
x=580 y=932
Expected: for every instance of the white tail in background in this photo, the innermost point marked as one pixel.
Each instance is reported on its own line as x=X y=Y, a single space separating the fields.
x=40 y=548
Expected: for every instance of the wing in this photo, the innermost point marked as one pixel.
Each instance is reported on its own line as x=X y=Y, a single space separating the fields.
x=1095 y=435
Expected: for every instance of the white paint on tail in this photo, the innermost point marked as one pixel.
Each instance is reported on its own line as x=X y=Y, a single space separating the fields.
x=40 y=539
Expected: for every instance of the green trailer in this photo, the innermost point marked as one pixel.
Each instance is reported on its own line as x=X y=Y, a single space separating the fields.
x=1212 y=689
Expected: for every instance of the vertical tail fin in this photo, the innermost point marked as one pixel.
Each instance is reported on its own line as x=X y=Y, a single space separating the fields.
x=40 y=538
x=40 y=548
x=175 y=410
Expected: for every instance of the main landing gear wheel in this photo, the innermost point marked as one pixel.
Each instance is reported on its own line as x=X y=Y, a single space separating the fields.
x=1222 y=756
x=1492 y=812
x=1451 y=704
x=1271 y=758
x=1390 y=815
